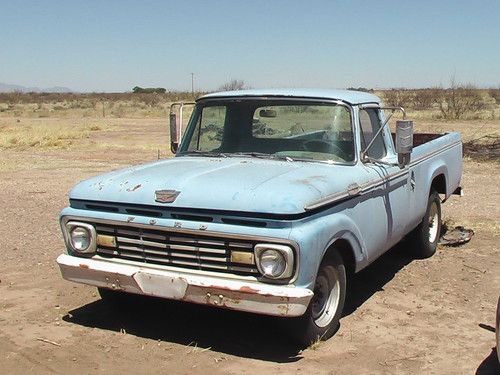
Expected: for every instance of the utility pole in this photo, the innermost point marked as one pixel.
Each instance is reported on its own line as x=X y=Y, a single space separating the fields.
x=192 y=83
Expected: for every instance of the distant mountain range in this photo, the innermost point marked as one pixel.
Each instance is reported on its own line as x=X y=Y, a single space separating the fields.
x=4 y=87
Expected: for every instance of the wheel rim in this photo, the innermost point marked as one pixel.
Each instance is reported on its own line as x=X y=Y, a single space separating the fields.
x=326 y=296
x=433 y=222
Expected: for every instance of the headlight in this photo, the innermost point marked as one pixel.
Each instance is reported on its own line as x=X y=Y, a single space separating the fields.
x=81 y=237
x=274 y=261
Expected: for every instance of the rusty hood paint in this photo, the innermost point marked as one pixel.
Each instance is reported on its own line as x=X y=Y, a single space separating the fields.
x=232 y=183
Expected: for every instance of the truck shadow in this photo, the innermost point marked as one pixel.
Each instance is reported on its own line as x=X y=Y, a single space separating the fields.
x=490 y=365
x=373 y=278
x=230 y=332
x=201 y=327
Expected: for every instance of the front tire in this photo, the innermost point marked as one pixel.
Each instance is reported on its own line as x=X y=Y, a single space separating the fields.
x=424 y=238
x=321 y=319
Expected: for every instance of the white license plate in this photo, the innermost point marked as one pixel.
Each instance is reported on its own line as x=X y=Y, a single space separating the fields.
x=161 y=285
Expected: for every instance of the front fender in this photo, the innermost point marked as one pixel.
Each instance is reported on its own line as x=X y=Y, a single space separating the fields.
x=315 y=235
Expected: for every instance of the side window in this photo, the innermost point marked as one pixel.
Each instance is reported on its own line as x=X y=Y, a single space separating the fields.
x=370 y=123
x=209 y=130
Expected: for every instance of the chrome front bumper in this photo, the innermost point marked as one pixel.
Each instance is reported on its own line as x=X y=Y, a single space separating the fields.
x=221 y=292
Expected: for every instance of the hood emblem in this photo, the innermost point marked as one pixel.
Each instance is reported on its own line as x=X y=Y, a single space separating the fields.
x=166 y=196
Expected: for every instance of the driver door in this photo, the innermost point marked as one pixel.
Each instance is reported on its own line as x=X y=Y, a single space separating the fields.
x=390 y=199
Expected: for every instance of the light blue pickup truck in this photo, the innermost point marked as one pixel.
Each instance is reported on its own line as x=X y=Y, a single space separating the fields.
x=273 y=198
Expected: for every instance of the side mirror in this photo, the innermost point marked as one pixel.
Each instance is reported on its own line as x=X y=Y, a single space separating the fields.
x=404 y=141
x=174 y=133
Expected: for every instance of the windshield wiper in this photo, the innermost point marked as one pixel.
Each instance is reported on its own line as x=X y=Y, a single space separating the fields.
x=204 y=153
x=261 y=155
x=254 y=154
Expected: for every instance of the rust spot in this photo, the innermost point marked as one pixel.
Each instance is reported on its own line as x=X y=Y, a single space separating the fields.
x=247 y=289
x=235 y=301
x=135 y=188
x=309 y=180
x=243 y=289
x=84 y=266
x=284 y=309
x=98 y=185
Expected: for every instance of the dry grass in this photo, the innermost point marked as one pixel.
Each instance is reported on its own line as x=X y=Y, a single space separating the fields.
x=315 y=344
x=128 y=139
x=45 y=134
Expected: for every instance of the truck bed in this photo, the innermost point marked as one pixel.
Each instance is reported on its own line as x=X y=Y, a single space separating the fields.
x=421 y=138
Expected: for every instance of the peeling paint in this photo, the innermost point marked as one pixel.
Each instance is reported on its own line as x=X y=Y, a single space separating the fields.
x=247 y=289
x=134 y=188
x=284 y=309
x=98 y=185
x=310 y=179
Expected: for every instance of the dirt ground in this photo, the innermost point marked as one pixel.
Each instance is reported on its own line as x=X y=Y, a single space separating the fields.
x=403 y=316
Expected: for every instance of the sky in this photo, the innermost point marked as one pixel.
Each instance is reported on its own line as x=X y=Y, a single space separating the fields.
x=112 y=46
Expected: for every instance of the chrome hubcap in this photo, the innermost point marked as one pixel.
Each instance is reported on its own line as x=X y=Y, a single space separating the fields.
x=433 y=223
x=326 y=296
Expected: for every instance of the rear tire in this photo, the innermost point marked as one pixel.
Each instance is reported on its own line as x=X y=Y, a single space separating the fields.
x=424 y=238
x=321 y=319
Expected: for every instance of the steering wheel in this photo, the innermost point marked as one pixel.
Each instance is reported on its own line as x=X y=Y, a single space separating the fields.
x=319 y=145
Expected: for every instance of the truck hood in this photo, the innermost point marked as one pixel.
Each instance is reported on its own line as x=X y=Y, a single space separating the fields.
x=229 y=184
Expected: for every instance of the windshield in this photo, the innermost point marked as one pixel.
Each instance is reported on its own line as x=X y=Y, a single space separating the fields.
x=272 y=128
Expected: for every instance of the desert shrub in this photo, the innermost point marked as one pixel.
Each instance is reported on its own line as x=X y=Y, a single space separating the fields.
x=11 y=98
x=398 y=97
x=233 y=85
x=364 y=89
x=93 y=100
x=149 y=90
x=92 y=104
x=152 y=100
x=458 y=100
x=486 y=147
x=424 y=98
x=495 y=94
x=119 y=110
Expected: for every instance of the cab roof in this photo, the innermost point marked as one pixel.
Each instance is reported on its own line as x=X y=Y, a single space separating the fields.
x=348 y=96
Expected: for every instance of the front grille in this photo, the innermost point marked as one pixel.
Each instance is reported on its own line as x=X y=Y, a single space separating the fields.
x=210 y=253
